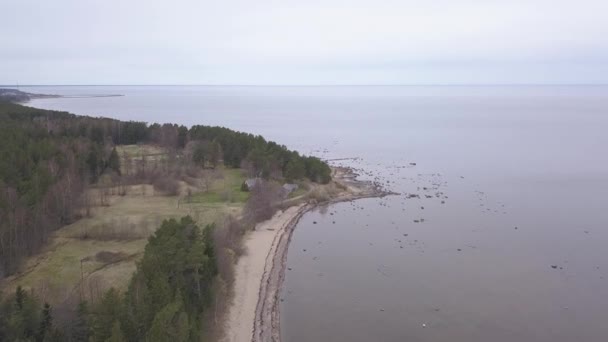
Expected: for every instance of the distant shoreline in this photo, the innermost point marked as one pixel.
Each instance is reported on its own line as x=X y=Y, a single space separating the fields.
x=84 y=96
x=18 y=96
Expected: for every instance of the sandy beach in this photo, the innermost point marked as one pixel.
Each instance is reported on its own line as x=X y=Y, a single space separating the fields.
x=254 y=312
x=252 y=268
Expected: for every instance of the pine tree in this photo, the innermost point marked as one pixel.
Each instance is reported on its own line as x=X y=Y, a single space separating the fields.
x=170 y=324
x=46 y=324
x=107 y=311
x=23 y=321
x=81 y=329
x=295 y=169
x=114 y=161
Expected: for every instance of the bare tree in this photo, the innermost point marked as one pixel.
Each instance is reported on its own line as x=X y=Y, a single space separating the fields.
x=103 y=188
x=208 y=176
x=249 y=168
x=261 y=205
x=126 y=163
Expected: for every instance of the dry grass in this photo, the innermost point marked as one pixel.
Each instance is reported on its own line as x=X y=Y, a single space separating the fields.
x=138 y=150
x=101 y=251
x=57 y=272
x=110 y=242
x=322 y=193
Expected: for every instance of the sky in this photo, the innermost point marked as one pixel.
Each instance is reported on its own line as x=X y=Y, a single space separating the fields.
x=303 y=42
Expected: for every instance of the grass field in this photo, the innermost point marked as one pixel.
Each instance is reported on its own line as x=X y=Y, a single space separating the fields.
x=101 y=251
x=226 y=190
x=138 y=150
x=72 y=260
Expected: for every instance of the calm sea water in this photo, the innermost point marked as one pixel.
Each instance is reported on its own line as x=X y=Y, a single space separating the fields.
x=511 y=243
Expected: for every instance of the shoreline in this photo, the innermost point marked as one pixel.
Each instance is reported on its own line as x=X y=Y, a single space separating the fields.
x=254 y=313
x=22 y=97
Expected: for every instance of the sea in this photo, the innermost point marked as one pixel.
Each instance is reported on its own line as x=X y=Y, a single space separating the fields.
x=499 y=230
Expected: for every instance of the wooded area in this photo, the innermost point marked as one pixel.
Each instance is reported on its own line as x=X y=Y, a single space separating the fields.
x=50 y=164
x=165 y=300
x=48 y=160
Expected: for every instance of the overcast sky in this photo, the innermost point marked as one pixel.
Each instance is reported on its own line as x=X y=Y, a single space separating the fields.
x=303 y=42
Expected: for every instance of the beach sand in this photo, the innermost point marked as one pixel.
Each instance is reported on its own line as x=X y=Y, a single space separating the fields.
x=261 y=245
x=253 y=314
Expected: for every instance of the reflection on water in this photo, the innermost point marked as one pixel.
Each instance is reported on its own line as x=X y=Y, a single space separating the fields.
x=505 y=240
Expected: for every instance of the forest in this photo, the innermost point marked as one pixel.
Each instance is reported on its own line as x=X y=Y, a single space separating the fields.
x=48 y=160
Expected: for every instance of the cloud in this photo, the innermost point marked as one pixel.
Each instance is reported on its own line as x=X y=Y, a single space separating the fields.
x=319 y=42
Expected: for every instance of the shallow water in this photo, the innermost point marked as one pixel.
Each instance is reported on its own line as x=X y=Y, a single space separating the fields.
x=499 y=157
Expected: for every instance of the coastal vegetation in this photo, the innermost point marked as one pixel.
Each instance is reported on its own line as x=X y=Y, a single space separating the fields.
x=99 y=218
x=165 y=299
x=48 y=160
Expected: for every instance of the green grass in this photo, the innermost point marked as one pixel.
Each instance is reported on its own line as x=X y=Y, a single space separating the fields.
x=57 y=272
x=226 y=190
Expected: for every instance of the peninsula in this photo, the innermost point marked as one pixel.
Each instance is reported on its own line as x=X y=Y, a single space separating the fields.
x=140 y=221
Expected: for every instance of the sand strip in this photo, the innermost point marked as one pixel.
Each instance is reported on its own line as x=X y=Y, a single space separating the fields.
x=254 y=312
x=251 y=269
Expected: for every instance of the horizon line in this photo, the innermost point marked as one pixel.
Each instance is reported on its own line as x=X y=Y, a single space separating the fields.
x=307 y=85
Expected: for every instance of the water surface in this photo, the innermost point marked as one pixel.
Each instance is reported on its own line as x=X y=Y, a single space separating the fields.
x=522 y=173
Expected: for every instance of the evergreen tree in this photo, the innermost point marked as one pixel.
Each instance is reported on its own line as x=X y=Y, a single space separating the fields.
x=94 y=163
x=199 y=155
x=81 y=329
x=114 y=161
x=170 y=324
x=23 y=317
x=46 y=324
x=178 y=262
x=182 y=136
x=317 y=170
x=295 y=169
x=108 y=310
